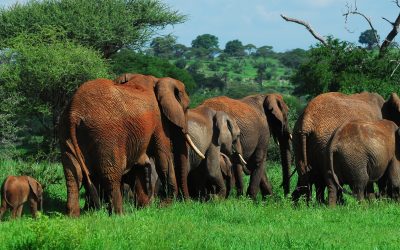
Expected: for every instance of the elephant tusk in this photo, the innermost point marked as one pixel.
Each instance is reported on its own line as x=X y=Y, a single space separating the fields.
x=290 y=136
x=242 y=160
x=189 y=140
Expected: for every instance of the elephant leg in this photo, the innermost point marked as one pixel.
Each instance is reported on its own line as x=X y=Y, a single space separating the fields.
x=33 y=205
x=332 y=194
x=16 y=211
x=238 y=175
x=369 y=191
x=3 y=208
x=72 y=179
x=257 y=174
x=340 y=199
x=394 y=179
x=265 y=186
x=115 y=197
x=383 y=185
x=141 y=192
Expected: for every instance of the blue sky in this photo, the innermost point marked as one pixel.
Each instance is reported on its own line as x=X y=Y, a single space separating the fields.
x=259 y=22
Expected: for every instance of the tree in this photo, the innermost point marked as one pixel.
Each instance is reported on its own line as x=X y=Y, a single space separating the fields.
x=163 y=46
x=234 y=48
x=293 y=58
x=45 y=69
x=368 y=38
x=205 y=45
x=105 y=25
x=264 y=51
x=129 y=61
x=250 y=49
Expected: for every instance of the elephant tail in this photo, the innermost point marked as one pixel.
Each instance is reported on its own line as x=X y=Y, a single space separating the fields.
x=331 y=166
x=79 y=157
x=4 y=194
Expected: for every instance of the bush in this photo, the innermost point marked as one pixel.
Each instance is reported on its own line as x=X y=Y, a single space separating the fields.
x=44 y=70
x=127 y=61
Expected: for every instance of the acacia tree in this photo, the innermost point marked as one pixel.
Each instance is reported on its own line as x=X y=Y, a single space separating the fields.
x=105 y=25
x=205 y=45
x=368 y=38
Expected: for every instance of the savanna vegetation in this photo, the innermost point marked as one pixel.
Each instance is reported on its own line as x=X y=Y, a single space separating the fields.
x=49 y=48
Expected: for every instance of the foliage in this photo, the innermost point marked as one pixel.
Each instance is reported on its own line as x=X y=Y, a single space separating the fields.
x=293 y=58
x=234 y=223
x=264 y=51
x=205 y=45
x=163 y=46
x=368 y=38
x=105 y=25
x=342 y=66
x=234 y=48
x=128 y=61
x=44 y=69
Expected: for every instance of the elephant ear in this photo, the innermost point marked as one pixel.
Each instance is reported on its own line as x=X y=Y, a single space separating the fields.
x=276 y=111
x=34 y=185
x=173 y=101
x=391 y=109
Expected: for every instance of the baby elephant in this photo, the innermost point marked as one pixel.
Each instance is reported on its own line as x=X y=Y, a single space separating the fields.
x=16 y=190
x=360 y=153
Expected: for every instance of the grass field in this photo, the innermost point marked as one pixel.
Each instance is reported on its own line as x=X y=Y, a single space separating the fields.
x=230 y=224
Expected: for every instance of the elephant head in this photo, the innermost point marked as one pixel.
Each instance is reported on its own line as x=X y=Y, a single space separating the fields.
x=276 y=111
x=37 y=190
x=391 y=109
x=227 y=135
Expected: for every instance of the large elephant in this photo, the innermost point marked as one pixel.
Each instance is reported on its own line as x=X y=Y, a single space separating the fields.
x=258 y=116
x=362 y=152
x=108 y=128
x=213 y=132
x=315 y=126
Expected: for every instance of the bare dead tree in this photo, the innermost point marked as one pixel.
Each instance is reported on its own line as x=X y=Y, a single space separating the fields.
x=392 y=34
x=308 y=27
x=353 y=10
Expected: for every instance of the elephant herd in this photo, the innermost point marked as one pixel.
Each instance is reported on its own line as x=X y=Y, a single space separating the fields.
x=137 y=133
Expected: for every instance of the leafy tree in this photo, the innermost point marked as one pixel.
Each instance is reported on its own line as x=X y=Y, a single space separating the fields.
x=128 y=61
x=264 y=51
x=105 y=25
x=368 y=38
x=342 y=66
x=44 y=69
x=205 y=45
x=293 y=58
x=163 y=46
x=234 y=48
x=180 y=50
x=250 y=49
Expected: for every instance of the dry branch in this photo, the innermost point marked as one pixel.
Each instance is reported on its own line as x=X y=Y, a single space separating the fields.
x=392 y=34
x=354 y=11
x=308 y=27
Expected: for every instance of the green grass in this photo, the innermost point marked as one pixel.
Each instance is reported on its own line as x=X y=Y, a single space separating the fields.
x=225 y=224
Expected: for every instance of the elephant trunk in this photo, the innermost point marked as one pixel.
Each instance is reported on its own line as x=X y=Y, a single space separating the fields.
x=286 y=159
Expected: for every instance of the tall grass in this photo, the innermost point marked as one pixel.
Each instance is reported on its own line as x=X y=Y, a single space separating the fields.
x=220 y=224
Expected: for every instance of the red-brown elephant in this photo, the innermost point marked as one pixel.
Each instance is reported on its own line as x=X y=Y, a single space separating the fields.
x=258 y=116
x=108 y=128
x=319 y=120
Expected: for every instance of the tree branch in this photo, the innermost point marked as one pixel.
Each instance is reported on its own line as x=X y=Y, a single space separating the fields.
x=354 y=11
x=392 y=34
x=308 y=27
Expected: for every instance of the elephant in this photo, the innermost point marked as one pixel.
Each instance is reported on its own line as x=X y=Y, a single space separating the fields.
x=214 y=132
x=226 y=170
x=315 y=126
x=258 y=116
x=16 y=190
x=108 y=128
x=362 y=152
